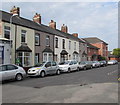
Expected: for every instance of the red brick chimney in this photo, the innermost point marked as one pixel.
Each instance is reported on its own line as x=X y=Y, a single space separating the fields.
x=52 y=24
x=75 y=34
x=37 y=18
x=64 y=28
x=15 y=10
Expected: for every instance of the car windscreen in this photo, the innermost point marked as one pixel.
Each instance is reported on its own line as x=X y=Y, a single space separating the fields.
x=64 y=63
x=40 y=64
x=82 y=62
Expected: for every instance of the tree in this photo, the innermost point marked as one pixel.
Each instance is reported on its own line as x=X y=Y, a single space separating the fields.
x=116 y=52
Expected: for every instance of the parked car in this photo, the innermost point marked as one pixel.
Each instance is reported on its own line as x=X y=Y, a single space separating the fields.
x=85 y=65
x=11 y=71
x=44 y=69
x=103 y=63
x=95 y=64
x=68 y=66
x=111 y=62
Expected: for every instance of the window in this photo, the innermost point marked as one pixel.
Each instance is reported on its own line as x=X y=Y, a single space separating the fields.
x=47 y=57
x=56 y=42
x=74 y=45
x=48 y=64
x=23 y=36
x=24 y=58
x=3 y=68
x=36 y=58
x=63 y=43
x=54 y=64
x=47 y=40
x=37 y=39
x=7 y=32
x=69 y=45
x=11 y=67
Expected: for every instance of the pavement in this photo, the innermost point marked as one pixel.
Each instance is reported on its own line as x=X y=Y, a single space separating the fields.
x=98 y=85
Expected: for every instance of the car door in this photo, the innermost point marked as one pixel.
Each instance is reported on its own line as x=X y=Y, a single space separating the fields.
x=54 y=67
x=71 y=65
x=2 y=73
x=75 y=65
x=11 y=71
x=48 y=68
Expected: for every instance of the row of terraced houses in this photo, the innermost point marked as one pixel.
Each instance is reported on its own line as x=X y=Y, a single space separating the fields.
x=32 y=42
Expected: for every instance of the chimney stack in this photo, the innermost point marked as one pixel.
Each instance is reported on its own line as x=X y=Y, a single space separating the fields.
x=37 y=18
x=15 y=10
x=52 y=24
x=75 y=35
x=64 y=28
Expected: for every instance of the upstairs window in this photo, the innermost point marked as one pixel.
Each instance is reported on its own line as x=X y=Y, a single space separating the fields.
x=63 y=43
x=56 y=42
x=47 y=40
x=23 y=36
x=69 y=45
x=7 y=32
x=74 y=45
x=37 y=39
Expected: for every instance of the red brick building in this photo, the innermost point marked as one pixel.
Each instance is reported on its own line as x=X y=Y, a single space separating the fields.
x=92 y=52
x=103 y=46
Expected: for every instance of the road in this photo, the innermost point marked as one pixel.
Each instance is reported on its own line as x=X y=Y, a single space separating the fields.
x=90 y=86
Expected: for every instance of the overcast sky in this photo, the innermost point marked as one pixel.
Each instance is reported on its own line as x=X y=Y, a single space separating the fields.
x=88 y=19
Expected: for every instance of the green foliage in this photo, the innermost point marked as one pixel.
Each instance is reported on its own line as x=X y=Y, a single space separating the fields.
x=116 y=52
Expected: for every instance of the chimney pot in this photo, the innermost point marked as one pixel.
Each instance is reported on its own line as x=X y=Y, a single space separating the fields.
x=15 y=10
x=37 y=18
x=75 y=34
x=52 y=24
x=64 y=28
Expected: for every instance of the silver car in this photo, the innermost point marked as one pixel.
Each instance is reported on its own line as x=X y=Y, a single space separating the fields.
x=85 y=65
x=11 y=71
x=43 y=69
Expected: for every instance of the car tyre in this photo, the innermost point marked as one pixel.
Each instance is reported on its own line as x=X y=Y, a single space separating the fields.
x=69 y=70
x=42 y=74
x=58 y=72
x=78 y=69
x=84 y=68
x=19 y=77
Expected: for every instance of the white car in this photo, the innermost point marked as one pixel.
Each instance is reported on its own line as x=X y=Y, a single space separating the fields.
x=10 y=71
x=111 y=62
x=95 y=64
x=68 y=66
x=43 y=69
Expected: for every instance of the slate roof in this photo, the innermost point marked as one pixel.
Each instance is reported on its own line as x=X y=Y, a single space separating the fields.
x=38 y=27
x=24 y=48
x=94 y=40
x=47 y=50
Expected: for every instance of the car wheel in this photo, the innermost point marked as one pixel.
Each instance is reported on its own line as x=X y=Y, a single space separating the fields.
x=69 y=70
x=19 y=77
x=84 y=68
x=42 y=74
x=78 y=69
x=58 y=72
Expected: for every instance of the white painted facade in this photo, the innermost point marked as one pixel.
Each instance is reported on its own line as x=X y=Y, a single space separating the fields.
x=70 y=48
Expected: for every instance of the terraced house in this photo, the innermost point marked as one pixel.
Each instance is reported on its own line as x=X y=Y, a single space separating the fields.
x=33 y=42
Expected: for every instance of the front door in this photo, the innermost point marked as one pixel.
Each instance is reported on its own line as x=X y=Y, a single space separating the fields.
x=48 y=68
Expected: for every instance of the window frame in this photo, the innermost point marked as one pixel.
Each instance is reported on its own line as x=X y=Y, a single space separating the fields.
x=48 y=40
x=56 y=42
x=37 y=35
x=7 y=30
x=23 y=35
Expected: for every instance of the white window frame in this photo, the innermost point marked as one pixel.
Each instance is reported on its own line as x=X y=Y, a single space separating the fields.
x=37 y=36
x=47 y=40
x=6 y=30
x=69 y=45
x=23 y=33
x=47 y=57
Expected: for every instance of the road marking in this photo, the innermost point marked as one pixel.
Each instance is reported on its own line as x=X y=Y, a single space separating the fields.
x=110 y=73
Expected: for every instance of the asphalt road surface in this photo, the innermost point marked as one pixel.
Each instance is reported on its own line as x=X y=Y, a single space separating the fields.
x=97 y=85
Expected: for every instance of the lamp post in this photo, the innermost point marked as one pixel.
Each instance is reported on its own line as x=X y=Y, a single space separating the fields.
x=11 y=36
